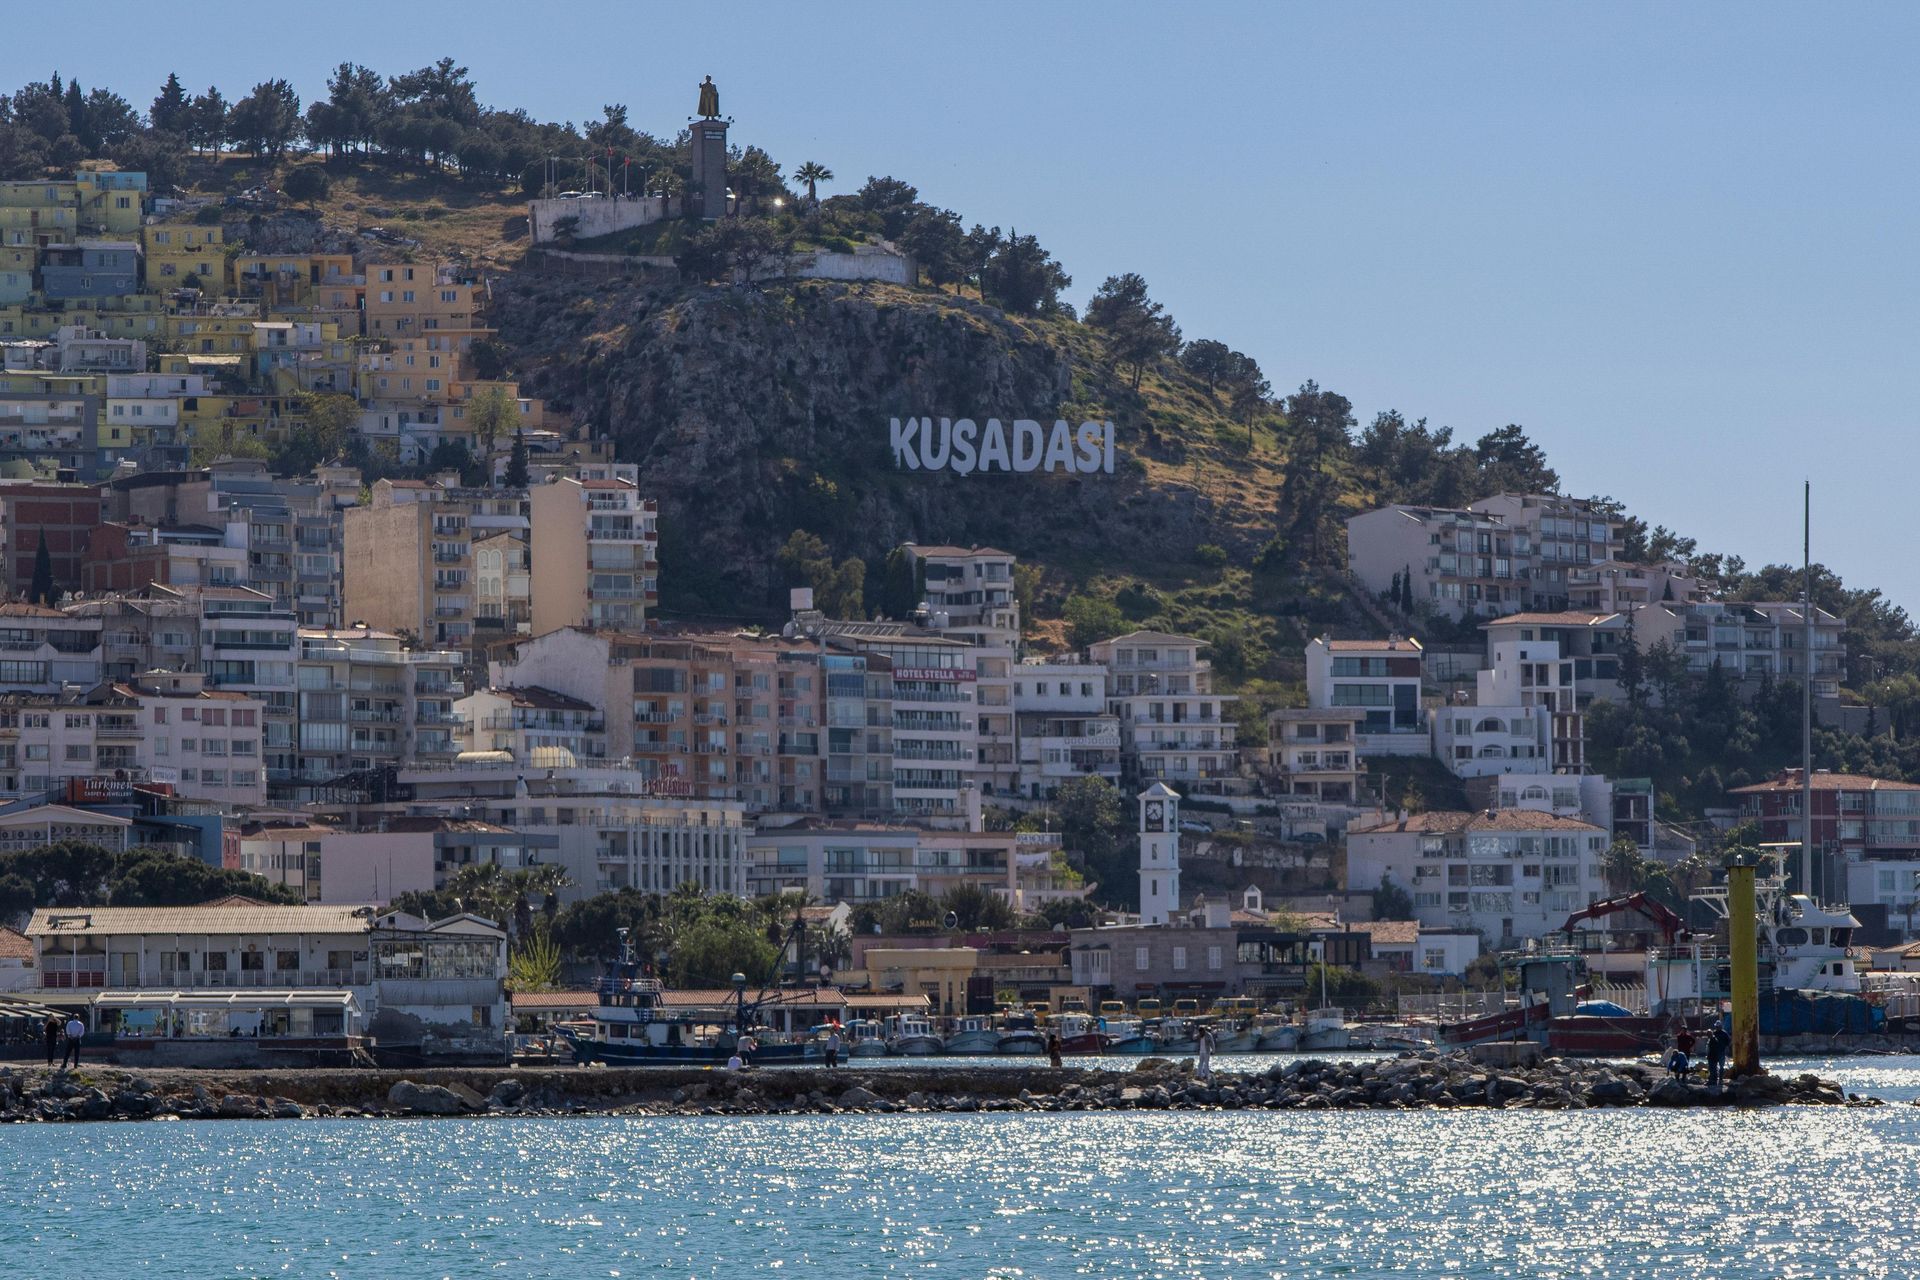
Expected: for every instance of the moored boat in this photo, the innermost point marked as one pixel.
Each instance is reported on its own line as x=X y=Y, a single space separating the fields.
x=1232 y=1039
x=1125 y=1036
x=865 y=1039
x=973 y=1035
x=911 y=1035
x=1276 y=1035
x=1325 y=1029
x=1079 y=1034
x=1020 y=1034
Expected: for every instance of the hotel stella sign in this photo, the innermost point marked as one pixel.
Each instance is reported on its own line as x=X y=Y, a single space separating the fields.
x=964 y=446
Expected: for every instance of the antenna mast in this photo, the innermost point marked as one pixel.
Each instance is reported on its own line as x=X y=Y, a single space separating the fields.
x=1806 y=693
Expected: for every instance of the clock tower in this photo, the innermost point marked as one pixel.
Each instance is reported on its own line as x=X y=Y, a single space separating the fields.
x=1159 y=854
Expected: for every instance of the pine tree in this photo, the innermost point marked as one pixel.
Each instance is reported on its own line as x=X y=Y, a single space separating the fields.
x=169 y=111
x=41 y=590
x=517 y=462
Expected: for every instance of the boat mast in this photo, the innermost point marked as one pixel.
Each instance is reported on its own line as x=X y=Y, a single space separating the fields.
x=1806 y=693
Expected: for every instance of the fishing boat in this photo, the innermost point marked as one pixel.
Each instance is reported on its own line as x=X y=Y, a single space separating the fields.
x=1177 y=1035
x=865 y=1039
x=973 y=1035
x=1079 y=1033
x=911 y=1035
x=632 y=1025
x=1325 y=1028
x=1228 y=1038
x=1276 y=1034
x=1020 y=1034
x=1124 y=1035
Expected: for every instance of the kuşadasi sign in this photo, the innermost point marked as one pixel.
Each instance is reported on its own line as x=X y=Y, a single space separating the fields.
x=964 y=446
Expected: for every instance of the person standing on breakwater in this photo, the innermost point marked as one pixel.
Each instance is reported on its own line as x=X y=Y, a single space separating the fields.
x=1053 y=1048
x=1718 y=1044
x=1203 y=1069
x=75 y=1029
x=833 y=1047
x=52 y=1033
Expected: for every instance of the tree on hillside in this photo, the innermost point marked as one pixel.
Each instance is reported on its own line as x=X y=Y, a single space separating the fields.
x=838 y=590
x=517 y=474
x=813 y=173
x=41 y=590
x=1513 y=463
x=491 y=414
x=267 y=120
x=327 y=423
x=1022 y=277
x=755 y=177
x=77 y=123
x=1390 y=901
x=1135 y=328
x=903 y=584
x=893 y=200
x=356 y=107
x=1206 y=359
x=735 y=250
x=111 y=120
x=307 y=183
x=207 y=126
x=938 y=243
x=974 y=908
x=170 y=107
x=1091 y=619
x=1319 y=424
x=1094 y=824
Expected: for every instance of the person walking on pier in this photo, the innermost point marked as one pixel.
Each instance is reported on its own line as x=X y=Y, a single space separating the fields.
x=52 y=1031
x=75 y=1030
x=1718 y=1045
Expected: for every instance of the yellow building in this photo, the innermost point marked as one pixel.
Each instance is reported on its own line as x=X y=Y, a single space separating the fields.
x=38 y=225
x=136 y=316
x=109 y=201
x=211 y=335
x=177 y=250
x=938 y=973
x=405 y=298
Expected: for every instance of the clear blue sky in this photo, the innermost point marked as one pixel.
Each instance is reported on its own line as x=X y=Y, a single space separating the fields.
x=1677 y=243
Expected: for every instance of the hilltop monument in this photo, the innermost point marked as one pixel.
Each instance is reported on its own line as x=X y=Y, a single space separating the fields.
x=709 y=196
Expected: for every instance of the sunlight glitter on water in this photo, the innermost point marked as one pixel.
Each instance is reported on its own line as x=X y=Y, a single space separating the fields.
x=1596 y=1195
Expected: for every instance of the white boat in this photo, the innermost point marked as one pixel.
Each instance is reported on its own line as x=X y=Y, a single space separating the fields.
x=1325 y=1029
x=1235 y=1039
x=1276 y=1034
x=974 y=1035
x=865 y=1039
x=1020 y=1035
x=911 y=1035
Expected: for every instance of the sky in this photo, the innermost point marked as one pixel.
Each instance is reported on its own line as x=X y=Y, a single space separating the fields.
x=1675 y=243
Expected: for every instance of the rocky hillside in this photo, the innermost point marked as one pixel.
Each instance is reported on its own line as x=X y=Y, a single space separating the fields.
x=756 y=413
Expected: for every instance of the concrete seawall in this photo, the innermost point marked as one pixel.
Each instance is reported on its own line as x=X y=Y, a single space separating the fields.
x=1410 y=1082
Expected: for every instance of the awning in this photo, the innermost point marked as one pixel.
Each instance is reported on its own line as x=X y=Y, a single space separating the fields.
x=259 y=999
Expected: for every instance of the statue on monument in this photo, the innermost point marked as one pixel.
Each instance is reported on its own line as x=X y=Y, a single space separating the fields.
x=709 y=99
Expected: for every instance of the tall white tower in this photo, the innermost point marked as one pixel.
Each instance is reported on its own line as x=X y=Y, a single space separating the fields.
x=1159 y=854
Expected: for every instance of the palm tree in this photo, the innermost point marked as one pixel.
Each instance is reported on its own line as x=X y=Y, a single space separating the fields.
x=670 y=184
x=813 y=173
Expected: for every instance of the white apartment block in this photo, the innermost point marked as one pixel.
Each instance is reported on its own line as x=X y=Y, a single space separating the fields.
x=1066 y=730
x=610 y=828
x=1498 y=555
x=969 y=591
x=1315 y=752
x=1173 y=726
x=1508 y=875
x=368 y=702
x=1380 y=678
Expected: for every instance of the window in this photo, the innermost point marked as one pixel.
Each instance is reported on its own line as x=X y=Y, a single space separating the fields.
x=1142 y=959
x=1179 y=959
x=1213 y=959
x=159 y=715
x=79 y=751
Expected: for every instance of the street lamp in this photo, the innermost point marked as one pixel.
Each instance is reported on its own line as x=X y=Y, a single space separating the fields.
x=740 y=1004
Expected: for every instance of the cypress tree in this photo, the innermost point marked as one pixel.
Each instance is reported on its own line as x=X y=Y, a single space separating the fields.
x=517 y=461
x=41 y=591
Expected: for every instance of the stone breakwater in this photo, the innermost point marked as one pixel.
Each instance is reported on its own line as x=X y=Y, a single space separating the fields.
x=1408 y=1082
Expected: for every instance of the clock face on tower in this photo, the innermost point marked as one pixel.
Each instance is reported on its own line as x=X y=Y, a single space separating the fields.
x=1156 y=815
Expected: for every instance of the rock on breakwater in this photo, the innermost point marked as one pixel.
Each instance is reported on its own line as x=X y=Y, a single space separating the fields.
x=1408 y=1082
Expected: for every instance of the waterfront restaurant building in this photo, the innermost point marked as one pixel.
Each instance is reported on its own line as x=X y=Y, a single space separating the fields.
x=427 y=988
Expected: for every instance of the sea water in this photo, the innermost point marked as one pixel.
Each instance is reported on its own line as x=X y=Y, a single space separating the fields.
x=1586 y=1195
